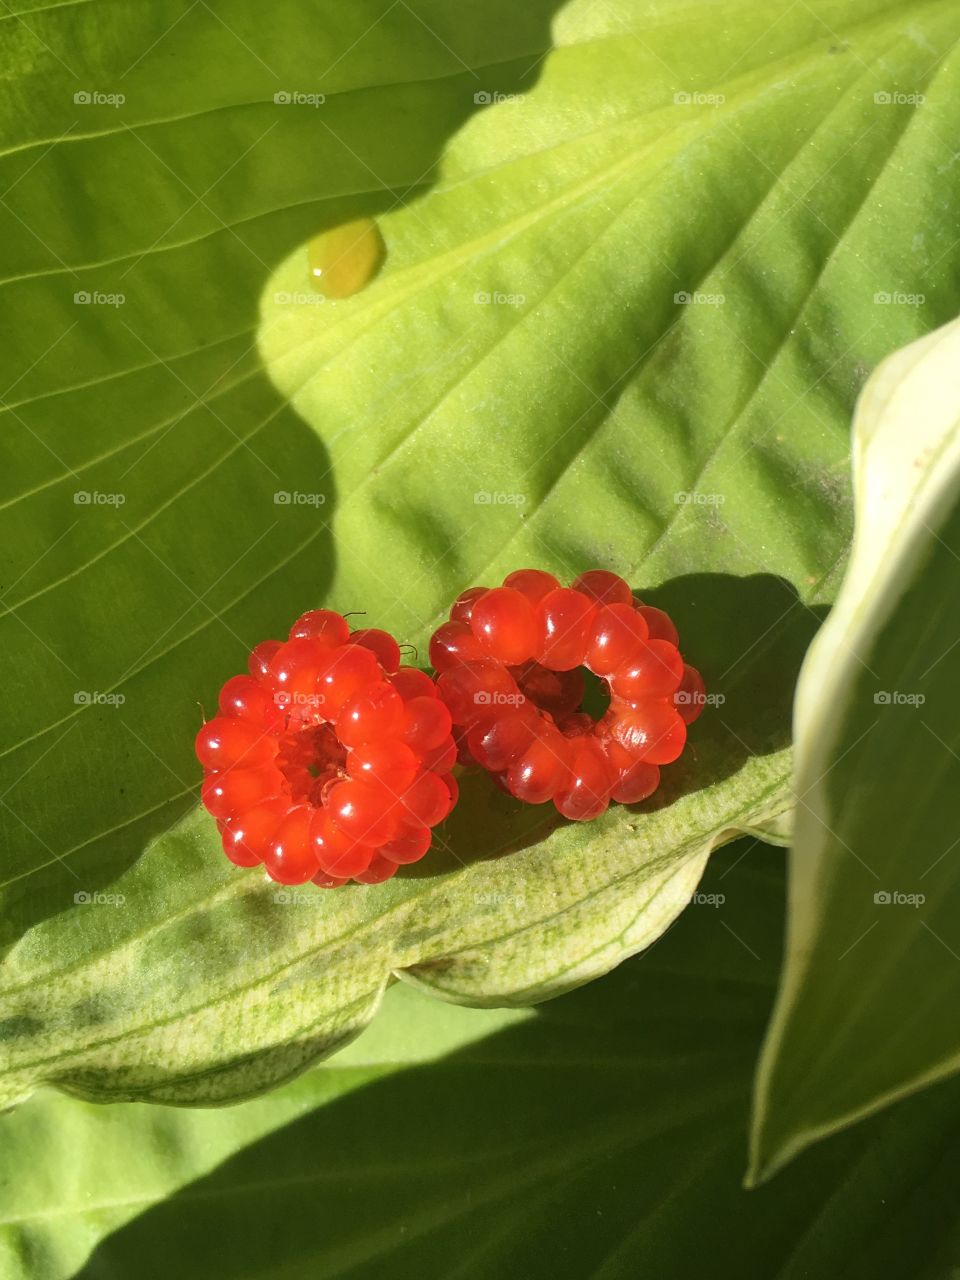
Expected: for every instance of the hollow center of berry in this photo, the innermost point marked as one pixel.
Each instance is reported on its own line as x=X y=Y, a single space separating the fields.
x=596 y=696
x=564 y=695
x=310 y=759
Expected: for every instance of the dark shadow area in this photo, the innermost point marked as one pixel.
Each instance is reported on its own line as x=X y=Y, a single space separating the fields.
x=606 y=1135
x=235 y=564
x=747 y=636
x=410 y=1175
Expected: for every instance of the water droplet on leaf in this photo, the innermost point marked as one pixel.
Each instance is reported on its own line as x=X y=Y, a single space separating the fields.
x=345 y=258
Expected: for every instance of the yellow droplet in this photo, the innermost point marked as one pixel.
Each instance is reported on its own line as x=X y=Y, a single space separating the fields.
x=345 y=258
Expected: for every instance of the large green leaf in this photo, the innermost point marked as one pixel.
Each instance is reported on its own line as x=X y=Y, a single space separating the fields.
x=615 y=185
x=71 y=1173
x=602 y=1135
x=872 y=974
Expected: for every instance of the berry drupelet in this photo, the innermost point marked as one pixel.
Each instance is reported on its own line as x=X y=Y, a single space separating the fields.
x=510 y=666
x=329 y=761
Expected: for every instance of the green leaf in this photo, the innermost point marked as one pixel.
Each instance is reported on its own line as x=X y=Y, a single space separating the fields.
x=871 y=973
x=73 y=1173
x=598 y=400
x=601 y=1135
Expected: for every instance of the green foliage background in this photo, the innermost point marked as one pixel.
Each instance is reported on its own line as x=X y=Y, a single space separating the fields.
x=699 y=229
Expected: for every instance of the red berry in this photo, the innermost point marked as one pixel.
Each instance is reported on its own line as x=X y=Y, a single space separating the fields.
x=604 y=587
x=261 y=657
x=411 y=683
x=290 y=856
x=409 y=846
x=532 y=583
x=323 y=625
x=462 y=607
x=691 y=697
x=426 y=801
x=539 y=773
x=658 y=623
x=563 y=619
x=654 y=671
x=452 y=644
x=470 y=691
x=390 y=763
x=235 y=851
x=637 y=781
x=225 y=741
x=652 y=732
x=294 y=672
x=380 y=869
x=363 y=811
x=441 y=759
x=249 y=834
x=235 y=791
x=348 y=669
x=586 y=793
x=370 y=715
x=246 y=698
x=496 y=745
x=382 y=645
x=503 y=621
x=327 y=751
x=325 y=881
x=616 y=635
x=427 y=723
x=337 y=854
x=520 y=713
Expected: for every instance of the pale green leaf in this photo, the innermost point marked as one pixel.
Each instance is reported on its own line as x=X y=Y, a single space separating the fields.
x=706 y=151
x=867 y=1009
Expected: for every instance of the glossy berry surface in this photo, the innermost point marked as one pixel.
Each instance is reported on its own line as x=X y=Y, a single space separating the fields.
x=505 y=623
x=329 y=761
x=514 y=664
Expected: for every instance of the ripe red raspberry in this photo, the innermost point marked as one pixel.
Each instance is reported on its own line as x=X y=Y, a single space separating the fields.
x=329 y=761
x=511 y=666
